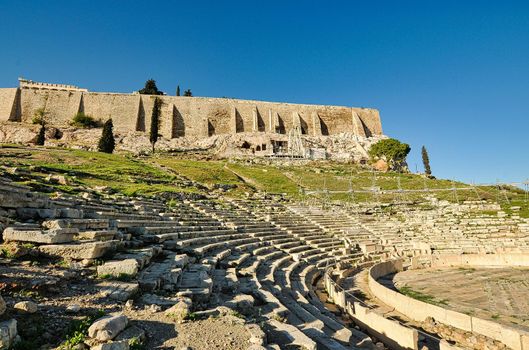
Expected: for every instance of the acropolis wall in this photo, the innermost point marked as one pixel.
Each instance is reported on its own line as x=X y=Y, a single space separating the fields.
x=182 y=116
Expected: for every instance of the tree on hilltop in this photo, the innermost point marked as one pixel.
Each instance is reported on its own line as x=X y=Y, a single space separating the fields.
x=188 y=93
x=426 y=161
x=155 y=122
x=392 y=151
x=178 y=90
x=107 y=142
x=150 y=88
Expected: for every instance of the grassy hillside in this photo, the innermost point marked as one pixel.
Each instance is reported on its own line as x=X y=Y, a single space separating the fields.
x=165 y=173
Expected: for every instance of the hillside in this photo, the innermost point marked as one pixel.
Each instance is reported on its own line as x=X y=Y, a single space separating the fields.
x=41 y=168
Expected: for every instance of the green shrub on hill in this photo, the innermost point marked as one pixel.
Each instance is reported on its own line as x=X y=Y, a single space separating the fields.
x=82 y=120
x=391 y=150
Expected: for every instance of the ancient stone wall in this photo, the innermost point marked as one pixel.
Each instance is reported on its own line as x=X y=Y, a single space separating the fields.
x=187 y=116
x=9 y=102
x=419 y=311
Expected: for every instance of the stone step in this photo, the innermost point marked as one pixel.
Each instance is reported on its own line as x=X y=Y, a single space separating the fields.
x=79 y=251
x=32 y=235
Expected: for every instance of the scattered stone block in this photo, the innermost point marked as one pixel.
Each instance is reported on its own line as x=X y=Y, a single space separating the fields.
x=26 y=306
x=73 y=308
x=108 y=327
x=120 y=291
x=8 y=333
x=115 y=345
x=128 y=267
x=180 y=310
x=132 y=333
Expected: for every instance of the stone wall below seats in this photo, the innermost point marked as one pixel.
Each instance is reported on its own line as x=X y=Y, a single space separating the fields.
x=419 y=311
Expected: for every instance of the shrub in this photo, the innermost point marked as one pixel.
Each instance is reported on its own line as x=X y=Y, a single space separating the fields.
x=392 y=150
x=188 y=93
x=107 y=142
x=39 y=117
x=41 y=137
x=82 y=120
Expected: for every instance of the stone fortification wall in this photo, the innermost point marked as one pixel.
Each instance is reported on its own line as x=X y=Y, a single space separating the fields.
x=419 y=311
x=186 y=116
x=9 y=104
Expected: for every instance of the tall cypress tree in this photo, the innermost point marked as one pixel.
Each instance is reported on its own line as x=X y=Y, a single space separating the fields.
x=107 y=142
x=155 y=122
x=426 y=161
x=41 y=137
x=178 y=90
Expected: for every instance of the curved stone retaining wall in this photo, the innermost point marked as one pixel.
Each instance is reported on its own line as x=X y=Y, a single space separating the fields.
x=389 y=332
x=417 y=310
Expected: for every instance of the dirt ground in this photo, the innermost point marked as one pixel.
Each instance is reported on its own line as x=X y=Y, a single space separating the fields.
x=498 y=294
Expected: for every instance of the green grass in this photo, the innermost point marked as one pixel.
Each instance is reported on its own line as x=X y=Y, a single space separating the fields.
x=164 y=173
x=78 y=330
x=122 y=173
x=430 y=299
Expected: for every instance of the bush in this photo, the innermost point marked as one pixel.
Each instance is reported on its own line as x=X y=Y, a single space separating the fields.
x=392 y=150
x=39 y=117
x=82 y=120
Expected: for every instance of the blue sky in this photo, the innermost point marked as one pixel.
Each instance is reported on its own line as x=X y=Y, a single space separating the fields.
x=452 y=75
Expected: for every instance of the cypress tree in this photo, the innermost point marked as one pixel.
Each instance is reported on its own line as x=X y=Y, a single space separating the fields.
x=41 y=137
x=155 y=122
x=426 y=161
x=178 y=90
x=107 y=142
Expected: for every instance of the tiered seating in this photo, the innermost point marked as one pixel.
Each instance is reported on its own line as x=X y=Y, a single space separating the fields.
x=258 y=251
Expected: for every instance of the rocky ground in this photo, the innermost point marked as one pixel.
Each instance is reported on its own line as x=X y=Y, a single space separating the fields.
x=50 y=301
x=340 y=147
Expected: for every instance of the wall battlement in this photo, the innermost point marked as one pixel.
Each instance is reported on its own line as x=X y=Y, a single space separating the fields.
x=183 y=116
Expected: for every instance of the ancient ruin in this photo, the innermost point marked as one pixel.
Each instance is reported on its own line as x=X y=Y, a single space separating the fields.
x=275 y=128
x=254 y=271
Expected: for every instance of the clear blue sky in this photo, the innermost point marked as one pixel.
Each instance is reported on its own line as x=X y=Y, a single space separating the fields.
x=452 y=75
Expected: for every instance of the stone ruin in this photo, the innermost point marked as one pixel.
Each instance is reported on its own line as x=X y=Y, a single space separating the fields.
x=277 y=264
x=229 y=126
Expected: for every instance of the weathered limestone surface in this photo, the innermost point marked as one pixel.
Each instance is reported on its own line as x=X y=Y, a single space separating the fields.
x=127 y=267
x=92 y=250
x=182 y=116
x=38 y=236
x=108 y=327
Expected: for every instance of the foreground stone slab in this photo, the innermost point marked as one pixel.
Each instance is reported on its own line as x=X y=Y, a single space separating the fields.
x=127 y=267
x=26 y=306
x=37 y=236
x=116 y=290
x=108 y=327
x=8 y=333
x=92 y=250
